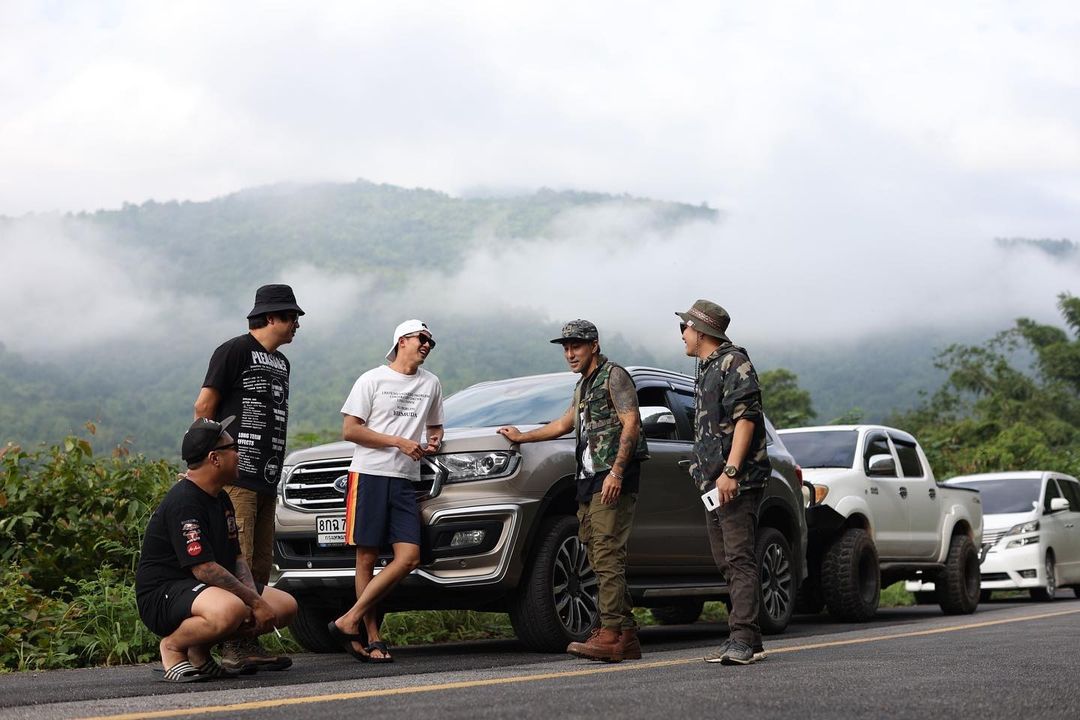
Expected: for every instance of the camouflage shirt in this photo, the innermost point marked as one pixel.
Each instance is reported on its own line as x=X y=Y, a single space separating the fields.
x=727 y=391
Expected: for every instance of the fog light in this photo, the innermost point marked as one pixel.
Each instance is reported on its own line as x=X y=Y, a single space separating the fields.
x=467 y=538
x=1028 y=574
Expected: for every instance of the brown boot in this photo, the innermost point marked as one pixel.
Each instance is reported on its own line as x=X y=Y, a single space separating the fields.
x=604 y=645
x=629 y=645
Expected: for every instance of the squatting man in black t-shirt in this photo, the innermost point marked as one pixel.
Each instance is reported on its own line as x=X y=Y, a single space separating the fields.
x=192 y=586
x=249 y=377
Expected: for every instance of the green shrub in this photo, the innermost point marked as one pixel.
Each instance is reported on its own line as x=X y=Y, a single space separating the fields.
x=60 y=506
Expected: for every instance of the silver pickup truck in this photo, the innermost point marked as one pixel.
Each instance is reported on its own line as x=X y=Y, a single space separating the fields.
x=499 y=526
x=880 y=517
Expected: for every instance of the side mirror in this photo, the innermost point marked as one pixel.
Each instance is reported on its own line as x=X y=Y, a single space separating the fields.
x=657 y=422
x=1058 y=503
x=882 y=466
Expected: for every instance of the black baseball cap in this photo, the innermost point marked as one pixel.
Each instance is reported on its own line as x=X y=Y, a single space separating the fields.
x=201 y=438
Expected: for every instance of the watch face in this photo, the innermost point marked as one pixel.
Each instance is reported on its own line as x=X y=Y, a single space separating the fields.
x=731 y=471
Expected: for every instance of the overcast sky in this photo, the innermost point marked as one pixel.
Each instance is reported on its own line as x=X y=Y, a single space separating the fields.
x=865 y=153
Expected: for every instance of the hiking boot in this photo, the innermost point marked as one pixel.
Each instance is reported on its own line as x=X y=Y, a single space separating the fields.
x=605 y=644
x=629 y=644
x=738 y=653
x=718 y=654
x=246 y=656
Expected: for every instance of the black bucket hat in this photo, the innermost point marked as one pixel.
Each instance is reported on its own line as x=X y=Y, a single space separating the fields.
x=274 y=299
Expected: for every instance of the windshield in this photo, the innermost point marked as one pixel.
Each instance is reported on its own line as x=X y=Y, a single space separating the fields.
x=822 y=448
x=1007 y=495
x=520 y=401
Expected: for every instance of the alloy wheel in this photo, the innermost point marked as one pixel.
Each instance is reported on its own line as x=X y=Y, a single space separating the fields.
x=574 y=588
x=775 y=581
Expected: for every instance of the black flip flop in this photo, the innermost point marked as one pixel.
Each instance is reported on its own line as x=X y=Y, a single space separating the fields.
x=345 y=640
x=381 y=647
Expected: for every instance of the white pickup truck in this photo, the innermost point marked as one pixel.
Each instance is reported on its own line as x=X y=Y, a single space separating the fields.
x=880 y=517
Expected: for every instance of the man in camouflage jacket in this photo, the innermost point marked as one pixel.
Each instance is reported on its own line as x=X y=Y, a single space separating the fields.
x=610 y=447
x=730 y=456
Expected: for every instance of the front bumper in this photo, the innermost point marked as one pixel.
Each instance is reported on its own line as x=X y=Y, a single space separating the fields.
x=1004 y=569
x=301 y=566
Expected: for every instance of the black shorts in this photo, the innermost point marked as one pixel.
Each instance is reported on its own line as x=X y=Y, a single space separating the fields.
x=380 y=511
x=165 y=607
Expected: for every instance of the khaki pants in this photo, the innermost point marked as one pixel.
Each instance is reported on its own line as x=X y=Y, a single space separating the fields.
x=732 y=535
x=255 y=521
x=605 y=530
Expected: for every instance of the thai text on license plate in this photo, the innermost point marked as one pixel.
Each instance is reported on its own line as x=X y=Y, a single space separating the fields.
x=330 y=530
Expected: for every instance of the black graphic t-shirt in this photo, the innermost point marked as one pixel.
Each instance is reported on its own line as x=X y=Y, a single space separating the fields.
x=189 y=527
x=254 y=386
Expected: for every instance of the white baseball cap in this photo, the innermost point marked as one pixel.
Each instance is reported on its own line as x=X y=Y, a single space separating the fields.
x=407 y=328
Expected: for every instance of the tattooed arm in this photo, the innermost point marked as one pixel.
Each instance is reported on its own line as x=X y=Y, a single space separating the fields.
x=214 y=574
x=624 y=398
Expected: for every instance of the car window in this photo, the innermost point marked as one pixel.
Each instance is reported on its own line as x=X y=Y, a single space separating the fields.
x=822 y=448
x=522 y=401
x=876 y=444
x=657 y=418
x=1052 y=492
x=685 y=405
x=1071 y=490
x=1004 y=495
x=910 y=464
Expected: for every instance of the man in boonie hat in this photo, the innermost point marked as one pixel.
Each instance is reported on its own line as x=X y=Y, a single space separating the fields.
x=386 y=415
x=248 y=377
x=729 y=455
x=610 y=448
x=193 y=587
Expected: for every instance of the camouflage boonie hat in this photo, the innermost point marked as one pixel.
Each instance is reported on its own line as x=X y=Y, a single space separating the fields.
x=578 y=330
x=707 y=317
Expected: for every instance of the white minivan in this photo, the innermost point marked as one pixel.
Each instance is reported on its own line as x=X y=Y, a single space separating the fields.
x=1031 y=531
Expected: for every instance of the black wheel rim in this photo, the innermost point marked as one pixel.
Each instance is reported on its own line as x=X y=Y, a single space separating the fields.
x=776 y=581
x=574 y=588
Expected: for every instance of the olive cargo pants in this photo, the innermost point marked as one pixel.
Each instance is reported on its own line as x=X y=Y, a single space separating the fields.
x=605 y=531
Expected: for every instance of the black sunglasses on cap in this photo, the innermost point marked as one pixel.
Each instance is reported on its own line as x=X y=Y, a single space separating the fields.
x=231 y=446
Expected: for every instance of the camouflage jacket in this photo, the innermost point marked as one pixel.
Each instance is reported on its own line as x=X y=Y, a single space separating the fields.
x=727 y=391
x=602 y=425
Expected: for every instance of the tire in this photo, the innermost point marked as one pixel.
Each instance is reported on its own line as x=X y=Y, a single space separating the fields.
x=777 y=581
x=556 y=602
x=309 y=626
x=1046 y=594
x=682 y=613
x=925 y=597
x=850 y=577
x=958 y=585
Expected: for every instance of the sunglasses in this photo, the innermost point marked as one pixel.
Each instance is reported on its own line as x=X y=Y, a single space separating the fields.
x=682 y=328
x=230 y=446
x=424 y=339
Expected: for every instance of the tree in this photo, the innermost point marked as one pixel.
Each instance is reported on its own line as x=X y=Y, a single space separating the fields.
x=1012 y=403
x=786 y=404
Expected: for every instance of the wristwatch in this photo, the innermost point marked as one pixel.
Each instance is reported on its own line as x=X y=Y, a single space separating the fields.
x=731 y=471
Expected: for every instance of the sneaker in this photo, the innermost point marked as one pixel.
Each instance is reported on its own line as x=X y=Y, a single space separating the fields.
x=247 y=655
x=718 y=654
x=738 y=653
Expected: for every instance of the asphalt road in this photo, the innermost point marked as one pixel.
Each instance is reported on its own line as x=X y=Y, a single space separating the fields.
x=1009 y=659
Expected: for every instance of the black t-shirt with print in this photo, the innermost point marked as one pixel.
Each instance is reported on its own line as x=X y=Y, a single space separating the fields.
x=189 y=527
x=254 y=386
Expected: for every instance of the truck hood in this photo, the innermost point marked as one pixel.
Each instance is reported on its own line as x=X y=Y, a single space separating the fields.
x=826 y=475
x=454 y=440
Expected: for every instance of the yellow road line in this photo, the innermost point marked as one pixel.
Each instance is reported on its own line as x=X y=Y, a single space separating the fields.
x=387 y=692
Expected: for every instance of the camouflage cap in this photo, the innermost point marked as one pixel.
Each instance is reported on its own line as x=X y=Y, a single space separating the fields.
x=707 y=317
x=578 y=330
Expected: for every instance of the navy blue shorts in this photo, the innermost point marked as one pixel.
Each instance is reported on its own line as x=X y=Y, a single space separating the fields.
x=380 y=511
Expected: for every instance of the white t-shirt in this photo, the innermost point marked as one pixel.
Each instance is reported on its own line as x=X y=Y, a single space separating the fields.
x=394 y=404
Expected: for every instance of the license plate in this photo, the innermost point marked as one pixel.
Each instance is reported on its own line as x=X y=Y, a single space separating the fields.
x=330 y=530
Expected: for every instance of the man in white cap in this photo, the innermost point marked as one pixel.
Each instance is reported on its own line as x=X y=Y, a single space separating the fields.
x=386 y=415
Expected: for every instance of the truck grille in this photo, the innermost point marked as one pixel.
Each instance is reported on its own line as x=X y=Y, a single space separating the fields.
x=321 y=485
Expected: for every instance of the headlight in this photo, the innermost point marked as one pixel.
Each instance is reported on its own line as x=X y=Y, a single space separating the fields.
x=1022 y=528
x=1021 y=542
x=461 y=467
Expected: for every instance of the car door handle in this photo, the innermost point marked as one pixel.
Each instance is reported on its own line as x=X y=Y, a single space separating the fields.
x=684 y=463
x=903 y=492
x=933 y=493
x=1068 y=525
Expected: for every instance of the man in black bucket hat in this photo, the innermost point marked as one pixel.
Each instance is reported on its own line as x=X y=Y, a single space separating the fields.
x=730 y=456
x=249 y=378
